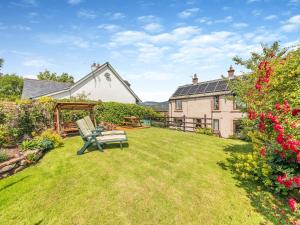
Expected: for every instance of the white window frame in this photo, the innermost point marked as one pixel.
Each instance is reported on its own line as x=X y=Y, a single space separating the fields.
x=214 y=128
x=178 y=104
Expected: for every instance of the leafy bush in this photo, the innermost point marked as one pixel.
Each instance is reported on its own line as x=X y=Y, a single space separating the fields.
x=33 y=144
x=8 y=135
x=52 y=136
x=271 y=92
x=35 y=116
x=46 y=144
x=2 y=115
x=3 y=156
x=114 y=112
x=207 y=131
x=31 y=157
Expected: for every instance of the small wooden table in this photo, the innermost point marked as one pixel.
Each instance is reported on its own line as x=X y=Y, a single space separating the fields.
x=132 y=121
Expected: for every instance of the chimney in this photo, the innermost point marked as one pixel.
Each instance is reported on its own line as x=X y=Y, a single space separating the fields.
x=94 y=66
x=195 y=79
x=231 y=72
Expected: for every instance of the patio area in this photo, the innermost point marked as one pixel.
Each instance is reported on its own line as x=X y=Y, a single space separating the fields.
x=161 y=177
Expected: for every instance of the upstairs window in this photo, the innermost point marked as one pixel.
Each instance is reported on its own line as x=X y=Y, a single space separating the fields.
x=216 y=103
x=237 y=105
x=178 y=104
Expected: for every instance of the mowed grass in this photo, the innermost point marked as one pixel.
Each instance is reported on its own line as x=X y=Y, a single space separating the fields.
x=162 y=177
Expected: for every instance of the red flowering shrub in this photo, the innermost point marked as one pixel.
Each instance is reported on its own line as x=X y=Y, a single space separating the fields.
x=271 y=92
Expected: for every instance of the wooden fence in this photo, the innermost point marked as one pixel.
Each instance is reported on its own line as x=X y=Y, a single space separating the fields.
x=183 y=123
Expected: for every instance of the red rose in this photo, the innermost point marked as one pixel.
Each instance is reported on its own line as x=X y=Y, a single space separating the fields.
x=293 y=204
x=295 y=112
x=262 y=152
x=288 y=183
x=278 y=127
x=277 y=106
x=297 y=180
x=258 y=86
x=280 y=139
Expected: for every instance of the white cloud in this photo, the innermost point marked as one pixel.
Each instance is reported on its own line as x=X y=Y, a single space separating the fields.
x=271 y=17
x=209 y=21
x=188 y=13
x=88 y=14
x=109 y=27
x=148 y=19
x=68 y=40
x=292 y=24
x=240 y=25
x=128 y=37
x=74 y=2
x=153 y=27
x=38 y=63
x=21 y=27
x=114 y=16
x=256 y=12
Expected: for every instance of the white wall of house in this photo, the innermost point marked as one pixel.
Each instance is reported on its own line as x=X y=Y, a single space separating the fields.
x=103 y=85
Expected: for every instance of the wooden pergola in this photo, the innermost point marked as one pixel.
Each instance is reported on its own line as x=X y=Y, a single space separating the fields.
x=58 y=123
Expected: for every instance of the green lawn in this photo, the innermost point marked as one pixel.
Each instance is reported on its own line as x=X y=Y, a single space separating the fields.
x=163 y=177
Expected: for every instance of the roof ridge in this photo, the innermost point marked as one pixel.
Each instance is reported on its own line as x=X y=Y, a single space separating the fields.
x=208 y=81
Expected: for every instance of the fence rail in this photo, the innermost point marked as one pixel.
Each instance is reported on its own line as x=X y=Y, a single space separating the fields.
x=183 y=123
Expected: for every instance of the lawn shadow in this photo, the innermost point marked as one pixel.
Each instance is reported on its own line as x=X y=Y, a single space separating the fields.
x=13 y=183
x=272 y=207
x=105 y=147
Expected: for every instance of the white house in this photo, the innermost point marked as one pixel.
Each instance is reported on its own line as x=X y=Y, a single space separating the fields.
x=102 y=83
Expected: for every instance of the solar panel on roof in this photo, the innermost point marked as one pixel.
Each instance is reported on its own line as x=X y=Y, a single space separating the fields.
x=222 y=86
x=185 y=90
x=193 y=89
x=211 y=86
x=177 y=92
x=201 y=88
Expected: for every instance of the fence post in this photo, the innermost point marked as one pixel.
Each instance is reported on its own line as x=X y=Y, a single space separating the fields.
x=183 y=123
x=205 y=120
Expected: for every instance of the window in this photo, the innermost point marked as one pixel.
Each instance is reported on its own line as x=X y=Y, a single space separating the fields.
x=216 y=103
x=178 y=104
x=215 y=124
x=237 y=127
x=236 y=103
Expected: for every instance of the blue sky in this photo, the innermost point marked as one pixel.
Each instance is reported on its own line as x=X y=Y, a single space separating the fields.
x=155 y=45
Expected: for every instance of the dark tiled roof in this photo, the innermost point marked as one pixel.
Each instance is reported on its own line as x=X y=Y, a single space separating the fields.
x=202 y=88
x=34 y=88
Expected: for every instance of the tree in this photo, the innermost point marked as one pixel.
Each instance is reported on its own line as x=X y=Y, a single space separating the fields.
x=271 y=93
x=64 y=77
x=1 y=63
x=11 y=86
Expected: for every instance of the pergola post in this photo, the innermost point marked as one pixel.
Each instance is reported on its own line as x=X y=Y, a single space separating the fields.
x=87 y=106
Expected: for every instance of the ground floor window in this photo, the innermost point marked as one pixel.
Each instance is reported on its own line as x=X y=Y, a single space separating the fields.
x=237 y=127
x=215 y=124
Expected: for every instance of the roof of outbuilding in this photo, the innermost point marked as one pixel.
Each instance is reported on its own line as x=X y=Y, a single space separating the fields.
x=33 y=88
x=211 y=86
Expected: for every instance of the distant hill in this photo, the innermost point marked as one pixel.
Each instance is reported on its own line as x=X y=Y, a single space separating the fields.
x=157 y=106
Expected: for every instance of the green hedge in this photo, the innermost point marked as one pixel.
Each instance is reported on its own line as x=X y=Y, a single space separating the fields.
x=115 y=112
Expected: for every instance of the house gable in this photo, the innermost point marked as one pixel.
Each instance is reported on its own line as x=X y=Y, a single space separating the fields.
x=103 y=84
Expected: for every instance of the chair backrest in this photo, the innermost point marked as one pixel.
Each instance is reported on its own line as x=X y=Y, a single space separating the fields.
x=83 y=127
x=89 y=123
